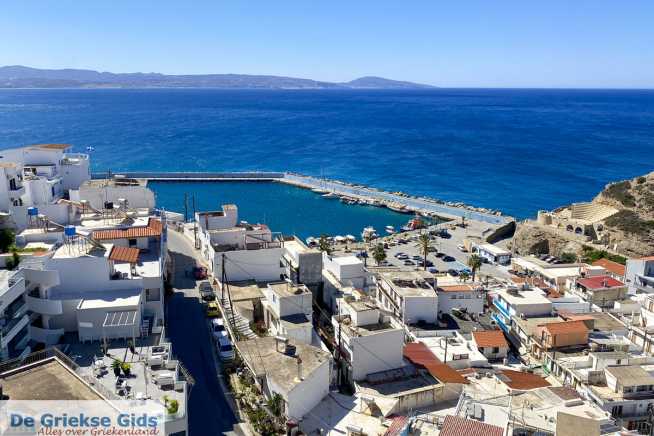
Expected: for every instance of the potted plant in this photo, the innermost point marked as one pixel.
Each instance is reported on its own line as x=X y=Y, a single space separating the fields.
x=172 y=406
x=116 y=365
x=127 y=368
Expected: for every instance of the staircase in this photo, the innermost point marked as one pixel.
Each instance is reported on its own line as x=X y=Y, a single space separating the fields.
x=240 y=324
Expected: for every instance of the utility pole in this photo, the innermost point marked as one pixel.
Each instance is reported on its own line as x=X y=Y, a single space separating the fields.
x=185 y=207
x=195 y=226
x=222 y=279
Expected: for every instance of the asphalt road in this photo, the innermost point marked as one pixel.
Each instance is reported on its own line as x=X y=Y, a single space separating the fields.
x=209 y=412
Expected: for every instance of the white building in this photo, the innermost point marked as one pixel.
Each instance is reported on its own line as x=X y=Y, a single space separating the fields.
x=514 y=303
x=298 y=372
x=14 y=319
x=342 y=272
x=288 y=311
x=102 y=191
x=639 y=275
x=464 y=297
x=493 y=254
x=409 y=295
x=454 y=349
x=368 y=340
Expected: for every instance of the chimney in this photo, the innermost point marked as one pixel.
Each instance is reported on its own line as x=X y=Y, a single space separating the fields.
x=299 y=368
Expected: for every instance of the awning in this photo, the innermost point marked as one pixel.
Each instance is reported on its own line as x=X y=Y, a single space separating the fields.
x=120 y=319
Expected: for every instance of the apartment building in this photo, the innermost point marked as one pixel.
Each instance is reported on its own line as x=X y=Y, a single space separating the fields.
x=288 y=311
x=409 y=295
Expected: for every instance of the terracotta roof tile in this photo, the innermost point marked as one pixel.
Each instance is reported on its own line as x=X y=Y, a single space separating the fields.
x=420 y=355
x=599 y=282
x=457 y=426
x=124 y=254
x=522 y=380
x=612 y=267
x=564 y=327
x=153 y=228
x=490 y=338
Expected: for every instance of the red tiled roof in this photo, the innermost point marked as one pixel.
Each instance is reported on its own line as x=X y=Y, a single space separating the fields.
x=153 y=228
x=457 y=426
x=490 y=338
x=599 y=282
x=522 y=380
x=613 y=267
x=397 y=424
x=563 y=327
x=420 y=355
x=124 y=254
x=456 y=288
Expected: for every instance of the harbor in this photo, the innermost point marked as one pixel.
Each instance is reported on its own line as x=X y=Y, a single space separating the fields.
x=348 y=193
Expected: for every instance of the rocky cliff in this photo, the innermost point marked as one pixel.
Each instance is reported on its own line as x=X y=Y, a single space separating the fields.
x=629 y=232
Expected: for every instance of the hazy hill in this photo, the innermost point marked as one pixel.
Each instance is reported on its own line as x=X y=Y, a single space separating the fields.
x=18 y=76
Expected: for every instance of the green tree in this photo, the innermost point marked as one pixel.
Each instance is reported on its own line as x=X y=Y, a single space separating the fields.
x=13 y=261
x=464 y=276
x=324 y=245
x=378 y=253
x=424 y=243
x=474 y=262
x=7 y=239
x=568 y=257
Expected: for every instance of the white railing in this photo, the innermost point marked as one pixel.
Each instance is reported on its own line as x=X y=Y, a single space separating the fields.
x=43 y=306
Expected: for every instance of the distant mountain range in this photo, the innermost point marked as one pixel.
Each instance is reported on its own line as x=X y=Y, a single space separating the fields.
x=18 y=76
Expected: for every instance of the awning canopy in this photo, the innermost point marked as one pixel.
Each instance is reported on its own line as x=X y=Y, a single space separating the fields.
x=120 y=319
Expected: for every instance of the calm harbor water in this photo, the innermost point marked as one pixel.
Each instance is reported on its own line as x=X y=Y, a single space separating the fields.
x=514 y=150
x=284 y=208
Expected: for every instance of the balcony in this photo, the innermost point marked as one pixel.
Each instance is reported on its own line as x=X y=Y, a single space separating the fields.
x=43 y=306
x=12 y=328
x=45 y=336
x=15 y=287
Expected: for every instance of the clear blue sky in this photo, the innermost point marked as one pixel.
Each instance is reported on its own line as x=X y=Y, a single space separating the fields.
x=467 y=43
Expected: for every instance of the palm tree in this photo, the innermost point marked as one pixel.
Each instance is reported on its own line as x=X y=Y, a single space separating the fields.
x=323 y=245
x=464 y=276
x=474 y=262
x=378 y=253
x=424 y=242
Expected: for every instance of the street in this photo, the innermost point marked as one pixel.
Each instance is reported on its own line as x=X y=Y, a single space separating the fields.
x=209 y=412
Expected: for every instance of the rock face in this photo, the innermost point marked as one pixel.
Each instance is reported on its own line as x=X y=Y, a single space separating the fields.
x=630 y=232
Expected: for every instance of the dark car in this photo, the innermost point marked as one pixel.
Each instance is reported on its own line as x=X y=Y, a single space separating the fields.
x=453 y=272
x=448 y=259
x=439 y=254
x=409 y=262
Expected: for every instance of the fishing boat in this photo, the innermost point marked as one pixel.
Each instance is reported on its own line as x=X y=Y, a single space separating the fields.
x=390 y=230
x=368 y=233
x=414 y=224
x=320 y=191
x=397 y=207
x=329 y=195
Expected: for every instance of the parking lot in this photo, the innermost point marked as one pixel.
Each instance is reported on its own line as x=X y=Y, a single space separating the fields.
x=451 y=256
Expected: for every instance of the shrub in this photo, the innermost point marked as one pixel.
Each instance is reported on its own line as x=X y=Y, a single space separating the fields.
x=629 y=222
x=620 y=192
x=568 y=257
x=7 y=239
x=641 y=180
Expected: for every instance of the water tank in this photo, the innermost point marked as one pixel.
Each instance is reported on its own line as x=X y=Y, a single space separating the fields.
x=32 y=211
x=69 y=231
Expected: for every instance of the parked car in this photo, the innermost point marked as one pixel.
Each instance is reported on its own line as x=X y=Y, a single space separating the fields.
x=225 y=348
x=211 y=310
x=439 y=254
x=433 y=270
x=206 y=291
x=448 y=259
x=409 y=262
x=453 y=272
x=416 y=257
x=199 y=272
x=218 y=328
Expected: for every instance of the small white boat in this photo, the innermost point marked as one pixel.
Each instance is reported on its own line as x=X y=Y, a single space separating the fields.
x=390 y=230
x=368 y=233
x=329 y=195
x=351 y=238
x=319 y=191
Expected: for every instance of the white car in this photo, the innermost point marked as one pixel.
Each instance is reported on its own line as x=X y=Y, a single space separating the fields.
x=218 y=328
x=462 y=248
x=225 y=348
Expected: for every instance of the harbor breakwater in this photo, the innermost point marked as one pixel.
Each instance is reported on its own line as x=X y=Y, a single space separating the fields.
x=352 y=193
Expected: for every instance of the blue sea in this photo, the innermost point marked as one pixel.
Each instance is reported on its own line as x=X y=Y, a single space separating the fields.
x=514 y=150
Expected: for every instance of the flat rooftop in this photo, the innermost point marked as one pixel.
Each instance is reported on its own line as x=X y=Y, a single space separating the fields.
x=47 y=380
x=532 y=296
x=266 y=356
x=115 y=181
x=111 y=299
x=81 y=249
x=409 y=283
x=285 y=289
x=244 y=290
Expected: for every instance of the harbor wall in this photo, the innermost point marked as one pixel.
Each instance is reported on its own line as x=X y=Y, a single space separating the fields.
x=190 y=175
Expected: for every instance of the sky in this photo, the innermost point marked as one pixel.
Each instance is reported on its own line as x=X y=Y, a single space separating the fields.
x=466 y=43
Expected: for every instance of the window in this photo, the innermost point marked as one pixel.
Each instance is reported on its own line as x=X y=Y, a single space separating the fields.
x=496 y=350
x=132 y=242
